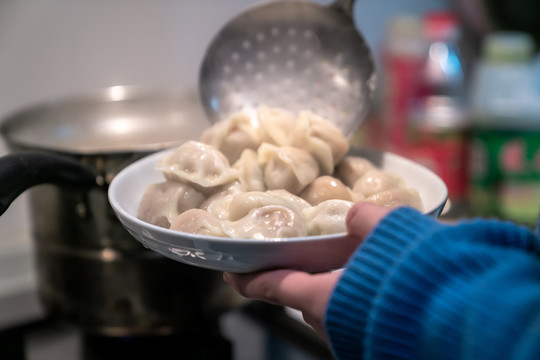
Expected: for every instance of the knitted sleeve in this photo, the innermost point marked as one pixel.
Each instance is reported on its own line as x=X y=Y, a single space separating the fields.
x=418 y=289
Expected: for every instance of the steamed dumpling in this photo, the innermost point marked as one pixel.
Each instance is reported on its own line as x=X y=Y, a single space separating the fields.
x=243 y=203
x=374 y=181
x=352 y=168
x=396 y=197
x=163 y=201
x=250 y=173
x=197 y=221
x=267 y=222
x=328 y=217
x=326 y=188
x=287 y=167
x=233 y=135
x=219 y=203
x=321 y=138
x=266 y=177
x=295 y=200
x=276 y=125
x=200 y=165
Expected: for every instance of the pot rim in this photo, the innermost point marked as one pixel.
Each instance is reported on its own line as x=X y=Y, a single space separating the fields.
x=140 y=119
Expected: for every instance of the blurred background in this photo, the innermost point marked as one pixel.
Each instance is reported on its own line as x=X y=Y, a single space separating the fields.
x=458 y=91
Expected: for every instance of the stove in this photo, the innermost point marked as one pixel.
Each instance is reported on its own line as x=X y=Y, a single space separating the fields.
x=254 y=331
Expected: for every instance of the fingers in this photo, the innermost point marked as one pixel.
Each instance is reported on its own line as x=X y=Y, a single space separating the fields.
x=363 y=217
x=291 y=288
x=301 y=291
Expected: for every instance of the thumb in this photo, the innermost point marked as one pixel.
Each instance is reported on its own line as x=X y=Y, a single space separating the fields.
x=363 y=217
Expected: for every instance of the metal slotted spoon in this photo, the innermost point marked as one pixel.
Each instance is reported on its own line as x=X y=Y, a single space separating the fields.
x=294 y=55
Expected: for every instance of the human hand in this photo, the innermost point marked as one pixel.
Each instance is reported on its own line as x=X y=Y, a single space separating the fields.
x=302 y=291
x=299 y=290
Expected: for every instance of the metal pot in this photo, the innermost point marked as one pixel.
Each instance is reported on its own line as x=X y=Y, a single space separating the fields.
x=91 y=271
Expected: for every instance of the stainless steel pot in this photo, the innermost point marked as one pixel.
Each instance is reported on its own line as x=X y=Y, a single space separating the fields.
x=91 y=271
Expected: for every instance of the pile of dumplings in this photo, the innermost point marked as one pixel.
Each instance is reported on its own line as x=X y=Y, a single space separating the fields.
x=272 y=175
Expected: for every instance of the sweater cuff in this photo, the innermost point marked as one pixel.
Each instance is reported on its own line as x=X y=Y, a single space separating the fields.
x=353 y=297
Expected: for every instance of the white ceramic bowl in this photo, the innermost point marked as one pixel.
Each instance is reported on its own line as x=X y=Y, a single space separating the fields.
x=312 y=253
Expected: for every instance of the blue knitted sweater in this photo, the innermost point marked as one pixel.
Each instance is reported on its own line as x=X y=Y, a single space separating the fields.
x=419 y=289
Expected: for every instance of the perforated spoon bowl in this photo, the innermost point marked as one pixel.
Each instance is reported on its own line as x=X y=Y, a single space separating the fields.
x=296 y=55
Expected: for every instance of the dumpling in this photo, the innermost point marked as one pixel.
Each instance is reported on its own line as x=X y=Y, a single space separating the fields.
x=287 y=167
x=326 y=188
x=374 y=181
x=163 y=201
x=197 y=221
x=243 y=203
x=272 y=175
x=200 y=165
x=352 y=168
x=298 y=202
x=233 y=135
x=329 y=217
x=321 y=138
x=250 y=173
x=267 y=222
x=396 y=197
x=276 y=124
x=219 y=203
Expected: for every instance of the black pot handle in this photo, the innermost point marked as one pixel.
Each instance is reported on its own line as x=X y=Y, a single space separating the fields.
x=20 y=171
